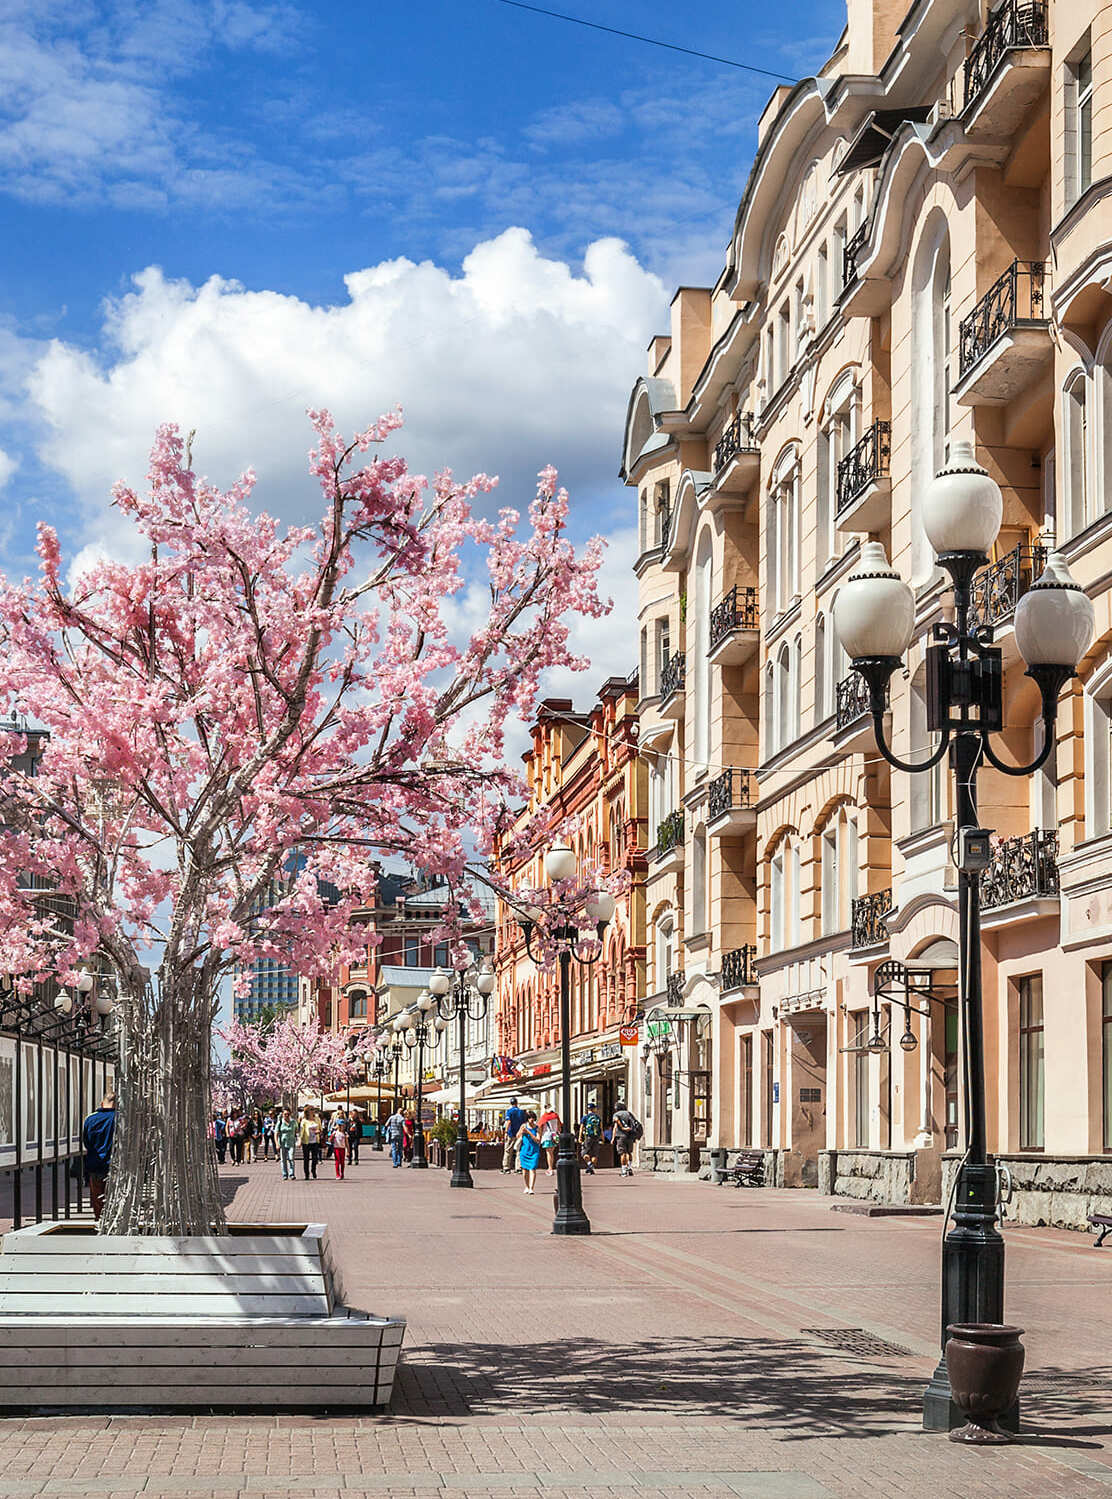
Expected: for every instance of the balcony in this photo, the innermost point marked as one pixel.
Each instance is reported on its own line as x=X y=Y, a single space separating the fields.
x=734 y=627
x=1006 y=71
x=998 y=589
x=864 y=488
x=737 y=458
x=731 y=803
x=674 y=990
x=851 y=250
x=668 y=853
x=1004 y=343
x=739 y=968
x=868 y=920
x=673 y=676
x=1023 y=870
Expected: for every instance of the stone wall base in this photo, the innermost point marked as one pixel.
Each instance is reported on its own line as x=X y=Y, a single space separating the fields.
x=1050 y=1191
x=906 y=1177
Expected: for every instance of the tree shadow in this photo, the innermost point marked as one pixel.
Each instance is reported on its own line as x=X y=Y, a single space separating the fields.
x=789 y=1387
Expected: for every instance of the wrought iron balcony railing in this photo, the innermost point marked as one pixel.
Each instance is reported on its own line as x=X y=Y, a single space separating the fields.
x=663 y=524
x=998 y=589
x=674 y=990
x=739 y=967
x=736 y=611
x=1015 y=23
x=737 y=437
x=864 y=464
x=853 y=700
x=867 y=918
x=672 y=674
x=850 y=252
x=669 y=833
x=733 y=790
x=1015 y=297
x=1021 y=868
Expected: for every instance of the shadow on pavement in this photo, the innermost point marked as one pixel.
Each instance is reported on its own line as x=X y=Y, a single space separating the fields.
x=789 y=1388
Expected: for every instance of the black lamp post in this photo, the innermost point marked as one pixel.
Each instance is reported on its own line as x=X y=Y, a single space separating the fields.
x=419 y=1031
x=558 y=923
x=397 y=1051
x=473 y=988
x=875 y=619
x=380 y=1069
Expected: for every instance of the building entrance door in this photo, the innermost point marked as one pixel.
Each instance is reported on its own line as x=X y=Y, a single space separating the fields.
x=808 y=1101
x=700 y=1117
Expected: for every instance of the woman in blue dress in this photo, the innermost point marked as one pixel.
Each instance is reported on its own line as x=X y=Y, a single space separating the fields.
x=529 y=1151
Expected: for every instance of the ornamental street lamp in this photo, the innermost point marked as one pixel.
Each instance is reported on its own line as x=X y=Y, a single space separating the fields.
x=419 y=1030
x=380 y=1070
x=874 y=615
x=562 y=931
x=473 y=989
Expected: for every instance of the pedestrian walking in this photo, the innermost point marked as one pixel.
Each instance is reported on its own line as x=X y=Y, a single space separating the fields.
x=268 y=1134
x=529 y=1151
x=309 y=1135
x=97 y=1134
x=395 y=1131
x=513 y=1120
x=249 y=1138
x=285 y=1134
x=408 y=1135
x=220 y=1137
x=626 y=1129
x=549 y=1127
x=355 y=1135
x=338 y=1137
x=590 y=1137
x=235 y=1138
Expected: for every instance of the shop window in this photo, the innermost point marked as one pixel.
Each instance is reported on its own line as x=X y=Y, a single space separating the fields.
x=861 y=1056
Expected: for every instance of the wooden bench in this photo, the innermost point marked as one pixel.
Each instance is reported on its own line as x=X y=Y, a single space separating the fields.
x=1102 y=1222
x=239 y=1320
x=747 y=1170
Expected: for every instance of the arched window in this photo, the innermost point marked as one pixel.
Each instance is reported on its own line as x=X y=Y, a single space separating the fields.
x=704 y=579
x=783 y=697
x=782 y=535
x=821 y=709
x=930 y=369
x=795 y=712
x=838 y=434
x=770 y=711
x=699 y=882
x=783 y=898
x=645 y=520
x=1077 y=508
x=1098 y=752
x=357 y=1004
x=665 y=939
x=839 y=870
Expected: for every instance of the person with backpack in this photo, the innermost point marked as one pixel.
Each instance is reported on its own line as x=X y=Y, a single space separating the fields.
x=590 y=1137
x=627 y=1130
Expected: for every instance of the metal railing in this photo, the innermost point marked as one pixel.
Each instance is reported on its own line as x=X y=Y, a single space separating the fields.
x=866 y=462
x=853 y=700
x=850 y=252
x=998 y=589
x=670 y=833
x=674 y=990
x=733 y=790
x=736 y=438
x=739 y=967
x=1021 y=868
x=1015 y=23
x=867 y=918
x=737 y=610
x=1015 y=297
x=673 y=675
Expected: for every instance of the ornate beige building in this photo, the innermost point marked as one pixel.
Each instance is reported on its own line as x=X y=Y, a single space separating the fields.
x=923 y=253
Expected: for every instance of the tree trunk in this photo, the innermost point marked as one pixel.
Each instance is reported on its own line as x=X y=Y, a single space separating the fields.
x=163 y=1176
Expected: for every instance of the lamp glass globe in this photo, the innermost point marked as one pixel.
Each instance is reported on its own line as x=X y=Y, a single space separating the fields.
x=440 y=983
x=874 y=612
x=962 y=505
x=600 y=906
x=1055 y=619
x=485 y=982
x=559 y=863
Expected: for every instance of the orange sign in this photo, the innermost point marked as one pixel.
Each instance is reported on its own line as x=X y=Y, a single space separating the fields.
x=628 y=1034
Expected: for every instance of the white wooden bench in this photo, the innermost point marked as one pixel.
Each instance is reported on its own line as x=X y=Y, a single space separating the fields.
x=247 y=1319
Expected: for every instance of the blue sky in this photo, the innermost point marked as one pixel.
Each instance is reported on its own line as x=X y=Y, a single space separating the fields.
x=298 y=153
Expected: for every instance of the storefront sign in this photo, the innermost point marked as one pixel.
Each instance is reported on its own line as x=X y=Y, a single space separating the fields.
x=610 y=1050
x=628 y=1035
x=541 y=1070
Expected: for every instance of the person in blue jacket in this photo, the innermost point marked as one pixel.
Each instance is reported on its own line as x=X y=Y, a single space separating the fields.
x=97 y=1134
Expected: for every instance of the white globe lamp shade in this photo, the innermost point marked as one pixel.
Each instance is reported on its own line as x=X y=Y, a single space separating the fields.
x=962 y=505
x=398 y=1024
x=874 y=612
x=85 y=981
x=409 y=1021
x=600 y=906
x=559 y=863
x=441 y=983
x=63 y=1001
x=1055 y=619
x=440 y=1023
x=485 y=982
x=533 y=914
x=104 y=1004
x=427 y=1002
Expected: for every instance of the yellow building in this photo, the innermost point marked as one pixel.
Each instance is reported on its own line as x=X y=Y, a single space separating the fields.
x=583 y=768
x=922 y=254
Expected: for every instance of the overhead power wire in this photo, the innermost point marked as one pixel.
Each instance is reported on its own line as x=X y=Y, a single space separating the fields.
x=651 y=41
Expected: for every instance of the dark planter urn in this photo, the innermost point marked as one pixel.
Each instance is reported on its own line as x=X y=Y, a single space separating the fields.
x=985 y=1363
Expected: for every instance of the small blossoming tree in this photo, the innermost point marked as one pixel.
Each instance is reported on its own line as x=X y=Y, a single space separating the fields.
x=287 y=1058
x=249 y=710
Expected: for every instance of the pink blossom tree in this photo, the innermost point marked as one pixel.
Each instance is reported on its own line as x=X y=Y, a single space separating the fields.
x=288 y=1058
x=248 y=715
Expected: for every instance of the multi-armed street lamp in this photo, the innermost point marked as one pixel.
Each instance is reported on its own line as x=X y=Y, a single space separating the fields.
x=92 y=1005
x=556 y=925
x=380 y=1071
x=468 y=1001
x=874 y=616
x=419 y=1030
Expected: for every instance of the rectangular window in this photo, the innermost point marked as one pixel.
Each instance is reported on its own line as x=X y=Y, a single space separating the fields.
x=783 y=344
x=1084 y=122
x=747 y=1089
x=413 y=952
x=861 y=1082
x=822 y=283
x=1106 y=1050
x=776 y=904
x=768 y=1054
x=1031 y=1062
x=830 y=880
x=440 y=955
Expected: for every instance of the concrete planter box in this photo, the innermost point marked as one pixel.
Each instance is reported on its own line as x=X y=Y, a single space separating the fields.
x=238 y=1321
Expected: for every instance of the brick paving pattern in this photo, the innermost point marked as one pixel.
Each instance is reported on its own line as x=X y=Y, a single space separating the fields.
x=665 y=1355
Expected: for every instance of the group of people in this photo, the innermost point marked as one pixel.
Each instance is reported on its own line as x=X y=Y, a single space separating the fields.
x=246 y=1135
x=400 y=1131
x=529 y=1139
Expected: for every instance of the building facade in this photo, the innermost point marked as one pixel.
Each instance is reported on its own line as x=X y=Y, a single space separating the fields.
x=582 y=769
x=922 y=254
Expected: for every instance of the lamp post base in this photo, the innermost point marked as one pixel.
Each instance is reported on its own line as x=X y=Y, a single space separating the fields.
x=461 y=1171
x=570 y=1217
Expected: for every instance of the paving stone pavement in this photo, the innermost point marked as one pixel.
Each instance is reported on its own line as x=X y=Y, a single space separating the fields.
x=673 y=1352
